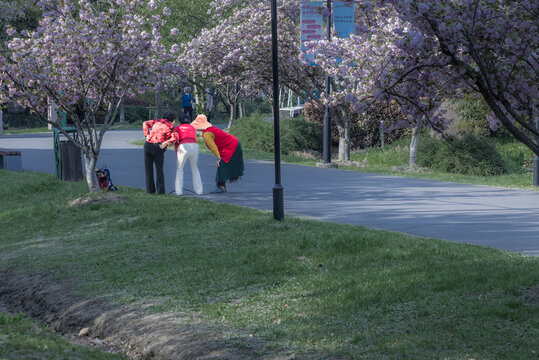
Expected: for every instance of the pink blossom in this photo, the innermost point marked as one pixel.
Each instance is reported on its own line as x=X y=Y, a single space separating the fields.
x=79 y=53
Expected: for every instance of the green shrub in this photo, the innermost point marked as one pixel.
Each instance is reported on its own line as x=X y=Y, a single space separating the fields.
x=254 y=133
x=519 y=158
x=297 y=134
x=134 y=113
x=22 y=120
x=365 y=128
x=471 y=112
x=466 y=154
x=257 y=105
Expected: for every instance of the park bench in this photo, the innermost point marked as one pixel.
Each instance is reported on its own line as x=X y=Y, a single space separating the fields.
x=290 y=111
x=10 y=160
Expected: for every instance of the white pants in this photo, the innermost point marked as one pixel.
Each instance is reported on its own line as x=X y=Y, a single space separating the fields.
x=188 y=151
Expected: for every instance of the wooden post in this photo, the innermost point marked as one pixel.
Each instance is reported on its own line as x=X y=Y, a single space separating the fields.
x=71 y=162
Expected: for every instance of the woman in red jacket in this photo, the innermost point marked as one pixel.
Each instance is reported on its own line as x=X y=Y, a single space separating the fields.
x=226 y=148
x=184 y=138
x=156 y=133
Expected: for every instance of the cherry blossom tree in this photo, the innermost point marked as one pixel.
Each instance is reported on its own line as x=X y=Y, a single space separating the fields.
x=353 y=64
x=488 y=47
x=187 y=18
x=238 y=50
x=86 y=56
x=417 y=53
x=18 y=14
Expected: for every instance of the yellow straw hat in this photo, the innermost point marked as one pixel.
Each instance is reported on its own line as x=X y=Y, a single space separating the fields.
x=201 y=122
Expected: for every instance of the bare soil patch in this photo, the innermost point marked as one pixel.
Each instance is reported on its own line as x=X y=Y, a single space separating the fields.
x=411 y=169
x=531 y=295
x=101 y=198
x=128 y=329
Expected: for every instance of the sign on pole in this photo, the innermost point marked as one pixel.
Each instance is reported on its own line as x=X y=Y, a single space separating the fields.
x=343 y=18
x=310 y=27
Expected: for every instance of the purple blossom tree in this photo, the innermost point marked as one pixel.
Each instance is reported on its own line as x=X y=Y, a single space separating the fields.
x=12 y=13
x=87 y=56
x=487 y=47
x=237 y=50
x=417 y=53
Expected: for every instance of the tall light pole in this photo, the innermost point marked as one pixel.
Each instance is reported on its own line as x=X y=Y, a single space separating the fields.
x=326 y=146
x=536 y=156
x=278 y=196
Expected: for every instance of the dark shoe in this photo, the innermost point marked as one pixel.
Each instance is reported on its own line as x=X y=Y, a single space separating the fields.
x=218 y=190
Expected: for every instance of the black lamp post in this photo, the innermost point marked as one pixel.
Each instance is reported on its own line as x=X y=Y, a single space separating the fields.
x=326 y=146
x=278 y=197
x=536 y=158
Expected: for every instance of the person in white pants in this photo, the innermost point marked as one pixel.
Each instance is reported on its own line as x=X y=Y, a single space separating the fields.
x=185 y=144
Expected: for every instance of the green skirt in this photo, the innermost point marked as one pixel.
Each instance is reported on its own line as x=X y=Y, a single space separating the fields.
x=232 y=170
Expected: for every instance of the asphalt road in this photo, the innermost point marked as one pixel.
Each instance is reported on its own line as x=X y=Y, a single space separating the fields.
x=480 y=215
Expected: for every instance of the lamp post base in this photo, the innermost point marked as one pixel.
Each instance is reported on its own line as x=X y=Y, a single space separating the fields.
x=278 y=202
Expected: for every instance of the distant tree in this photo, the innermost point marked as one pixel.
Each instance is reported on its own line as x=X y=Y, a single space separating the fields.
x=236 y=49
x=17 y=15
x=188 y=17
x=417 y=53
x=87 y=56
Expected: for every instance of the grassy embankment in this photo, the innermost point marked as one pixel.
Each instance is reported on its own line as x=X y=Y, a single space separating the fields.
x=22 y=338
x=304 y=285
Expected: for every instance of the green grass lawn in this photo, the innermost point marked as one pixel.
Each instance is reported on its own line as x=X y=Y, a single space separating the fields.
x=116 y=126
x=391 y=159
x=313 y=287
x=22 y=338
x=26 y=131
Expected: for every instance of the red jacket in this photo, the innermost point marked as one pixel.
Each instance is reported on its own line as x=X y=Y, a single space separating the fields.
x=226 y=143
x=159 y=130
x=184 y=134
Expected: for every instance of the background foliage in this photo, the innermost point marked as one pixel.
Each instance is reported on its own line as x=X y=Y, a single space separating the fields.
x=297 y=134
x=466 y=154
x=471 y=112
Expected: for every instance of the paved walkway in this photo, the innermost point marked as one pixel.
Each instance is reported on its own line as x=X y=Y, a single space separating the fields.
x=481 y=215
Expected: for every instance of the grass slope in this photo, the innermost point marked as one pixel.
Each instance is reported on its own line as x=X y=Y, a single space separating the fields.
x=326 y=288
x=22 y=338
x=391 y=159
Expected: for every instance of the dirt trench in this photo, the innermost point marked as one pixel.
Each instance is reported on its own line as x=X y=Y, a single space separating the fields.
x=127 y=329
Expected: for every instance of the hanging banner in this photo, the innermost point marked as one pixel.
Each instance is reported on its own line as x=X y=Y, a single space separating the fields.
x=310 y=28
x=343 y=18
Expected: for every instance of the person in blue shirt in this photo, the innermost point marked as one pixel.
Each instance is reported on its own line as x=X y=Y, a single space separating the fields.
x=187 y=103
